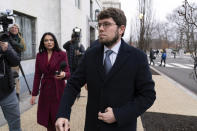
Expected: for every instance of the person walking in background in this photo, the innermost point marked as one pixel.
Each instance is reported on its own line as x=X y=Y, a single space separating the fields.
x=17 y=42
x=49 y=79
x=163 y=58
x=174 y=53
x=195 y=62
x=8 y=100
x=120 y=85
x=152 y=56
x=157 y=52
x=75 y=51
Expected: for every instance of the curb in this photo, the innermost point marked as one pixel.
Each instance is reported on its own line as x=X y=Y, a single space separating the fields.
x=178 y=85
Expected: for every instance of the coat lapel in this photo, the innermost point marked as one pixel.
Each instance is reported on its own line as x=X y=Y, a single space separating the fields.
x=99 y=62
x=44 y=61
x=53 y=61
x=121 y=58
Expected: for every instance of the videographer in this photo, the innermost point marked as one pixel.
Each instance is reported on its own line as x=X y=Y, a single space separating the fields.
x=74 y=49
x=18 y=43
x=8 y=100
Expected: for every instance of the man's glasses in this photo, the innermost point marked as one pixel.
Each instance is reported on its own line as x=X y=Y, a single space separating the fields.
x=105 y=25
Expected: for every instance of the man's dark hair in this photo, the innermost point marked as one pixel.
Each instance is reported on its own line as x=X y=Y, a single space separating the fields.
x=42 y=47
x=116 y=14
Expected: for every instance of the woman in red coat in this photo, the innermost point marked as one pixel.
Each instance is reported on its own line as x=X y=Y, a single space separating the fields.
x=46 y=81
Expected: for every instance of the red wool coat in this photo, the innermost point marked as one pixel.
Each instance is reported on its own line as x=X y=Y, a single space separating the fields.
x=50 y=89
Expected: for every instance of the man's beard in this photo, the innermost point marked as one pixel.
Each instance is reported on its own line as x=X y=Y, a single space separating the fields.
x=109 y=43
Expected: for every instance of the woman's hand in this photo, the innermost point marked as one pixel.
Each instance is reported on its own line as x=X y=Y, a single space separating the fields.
x=33 y=99
x=61 y=75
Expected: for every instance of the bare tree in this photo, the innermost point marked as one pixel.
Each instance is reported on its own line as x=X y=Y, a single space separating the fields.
x=146 y=19
x=149 y=23
x=142 y=8
x=189 y=14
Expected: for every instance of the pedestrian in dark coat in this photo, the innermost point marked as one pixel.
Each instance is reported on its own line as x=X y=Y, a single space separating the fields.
x=49 y=84
x=152 y=56
x=120 y=85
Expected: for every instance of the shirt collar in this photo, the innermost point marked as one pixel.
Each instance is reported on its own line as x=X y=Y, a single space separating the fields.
x=115 y=48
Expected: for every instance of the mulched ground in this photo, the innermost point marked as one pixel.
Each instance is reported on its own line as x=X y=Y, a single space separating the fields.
x=153 y=121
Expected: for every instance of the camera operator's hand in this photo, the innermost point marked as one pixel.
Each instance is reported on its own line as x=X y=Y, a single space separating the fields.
x=77 y=52
x=61 y=75
x=4 y=46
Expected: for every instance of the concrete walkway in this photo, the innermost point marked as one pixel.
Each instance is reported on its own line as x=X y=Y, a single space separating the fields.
x=171 y=98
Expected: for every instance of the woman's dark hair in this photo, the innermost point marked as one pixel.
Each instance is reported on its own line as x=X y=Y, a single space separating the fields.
x=42 y=47
x=116 y=14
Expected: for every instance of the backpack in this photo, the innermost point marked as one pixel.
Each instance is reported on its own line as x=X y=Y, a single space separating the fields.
x=163 y=56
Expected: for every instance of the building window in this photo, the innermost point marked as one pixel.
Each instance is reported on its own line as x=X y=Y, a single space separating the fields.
x=27 y=29
x=77 y=3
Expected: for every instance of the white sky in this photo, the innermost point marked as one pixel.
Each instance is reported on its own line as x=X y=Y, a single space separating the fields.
x=160 y=7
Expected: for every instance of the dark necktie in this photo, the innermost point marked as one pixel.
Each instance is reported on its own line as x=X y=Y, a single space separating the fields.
x=107 y=61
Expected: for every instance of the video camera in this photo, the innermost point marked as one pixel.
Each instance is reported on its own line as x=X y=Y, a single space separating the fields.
x=6 y=18
x=76 y=33
x=76 y=37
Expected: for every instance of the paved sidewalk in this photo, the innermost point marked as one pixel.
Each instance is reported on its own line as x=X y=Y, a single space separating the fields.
x=28 y=118
x=171 y=99
x=175 y=108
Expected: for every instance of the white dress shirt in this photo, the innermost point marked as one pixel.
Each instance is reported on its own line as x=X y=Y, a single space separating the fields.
x=113 y=56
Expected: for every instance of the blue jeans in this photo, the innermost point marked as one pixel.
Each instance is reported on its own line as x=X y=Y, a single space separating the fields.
x=10 y=108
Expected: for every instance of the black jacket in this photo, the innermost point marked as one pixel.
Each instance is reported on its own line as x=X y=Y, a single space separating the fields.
x=73 y=60
x=8 y=59
x=152 y=54
x=128 y=88
x=16 y=43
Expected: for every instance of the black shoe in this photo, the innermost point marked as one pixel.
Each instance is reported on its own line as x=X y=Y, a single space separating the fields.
x=160 y=65
x=17 y=94
x=164 y=65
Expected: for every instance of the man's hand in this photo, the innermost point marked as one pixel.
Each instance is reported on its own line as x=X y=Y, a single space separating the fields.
x=62 y=124
x=108 y=116
x=4 y=45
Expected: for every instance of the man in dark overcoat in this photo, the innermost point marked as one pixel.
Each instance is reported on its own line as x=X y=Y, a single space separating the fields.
x=119 y=81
